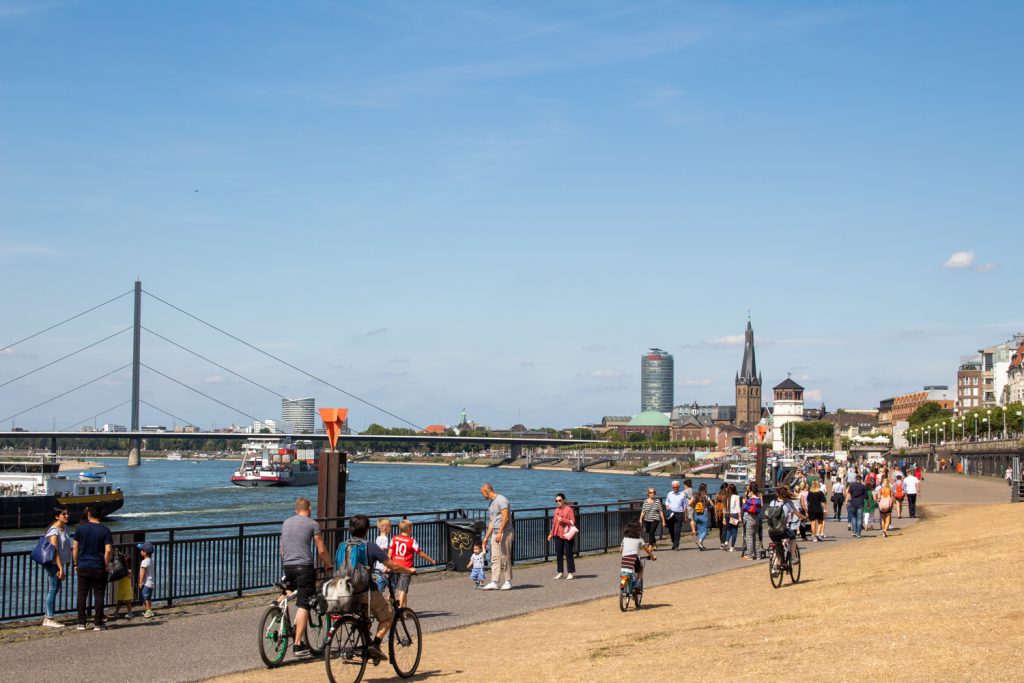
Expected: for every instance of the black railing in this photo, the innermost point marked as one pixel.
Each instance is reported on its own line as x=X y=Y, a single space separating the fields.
x=233 y=559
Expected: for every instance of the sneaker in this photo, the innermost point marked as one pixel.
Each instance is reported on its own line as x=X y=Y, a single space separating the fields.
x=507 y=586
x=99 y=627
x=80 y=627
x=731 y=549
x=375 y=652
x=568 y=577
x=492 y=586
x=52 y=623
x=148 y=614
x=558 y=575
x=128 y=617
x=301 y=650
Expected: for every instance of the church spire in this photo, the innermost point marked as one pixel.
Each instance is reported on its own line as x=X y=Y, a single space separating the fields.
x=748 y=371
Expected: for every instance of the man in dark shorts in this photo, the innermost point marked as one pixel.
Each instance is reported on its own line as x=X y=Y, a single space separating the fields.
x=297 y=533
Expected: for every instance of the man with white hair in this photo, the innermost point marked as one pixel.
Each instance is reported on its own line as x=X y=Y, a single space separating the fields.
x=675 y=503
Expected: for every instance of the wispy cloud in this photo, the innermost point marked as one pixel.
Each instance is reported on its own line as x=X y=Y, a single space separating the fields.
x=12 y=9
x=214 y=379
x=728 y=340
x=704 y=382
x=600 y=373
x=812 y=395
x=399 y=359
x=9 y=252
x=375 y=332
x=526 y=363
x=966 y=259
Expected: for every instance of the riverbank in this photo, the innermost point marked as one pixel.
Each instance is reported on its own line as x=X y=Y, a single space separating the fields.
x=903 y=595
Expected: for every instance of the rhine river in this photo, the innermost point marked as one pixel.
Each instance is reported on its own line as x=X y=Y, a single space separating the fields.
x=163 y=493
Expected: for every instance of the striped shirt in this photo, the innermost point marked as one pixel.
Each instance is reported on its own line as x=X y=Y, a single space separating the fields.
x=651 y=510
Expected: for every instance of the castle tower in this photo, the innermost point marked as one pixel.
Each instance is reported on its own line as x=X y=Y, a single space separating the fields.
x=748 y=383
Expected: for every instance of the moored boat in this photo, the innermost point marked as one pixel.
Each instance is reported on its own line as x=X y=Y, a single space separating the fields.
x=31 y=486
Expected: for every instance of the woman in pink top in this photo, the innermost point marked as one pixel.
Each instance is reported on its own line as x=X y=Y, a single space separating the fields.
x=563 y=532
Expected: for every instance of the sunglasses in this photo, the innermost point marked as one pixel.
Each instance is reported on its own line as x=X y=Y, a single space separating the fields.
x=559 y=500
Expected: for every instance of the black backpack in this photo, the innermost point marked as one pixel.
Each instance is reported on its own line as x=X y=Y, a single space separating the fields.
x=775 y=518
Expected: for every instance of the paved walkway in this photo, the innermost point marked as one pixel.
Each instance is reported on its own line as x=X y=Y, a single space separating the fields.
x=188 y=648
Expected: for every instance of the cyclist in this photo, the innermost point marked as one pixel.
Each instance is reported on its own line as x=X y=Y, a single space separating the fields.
x=296 y=534
x=632 y=544
x=785 y=499
x=366 y=554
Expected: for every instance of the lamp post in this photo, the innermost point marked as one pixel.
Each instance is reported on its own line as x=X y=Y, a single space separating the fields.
x=963 y=429
x=1004 y=423
x=1021 y=414
x=975 y=416
x=988 y=419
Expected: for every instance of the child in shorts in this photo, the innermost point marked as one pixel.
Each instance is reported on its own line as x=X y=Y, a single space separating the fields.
x=123 y=596
x=476 y=566
x=380 y=572
x=147 y=579
x=403 y=549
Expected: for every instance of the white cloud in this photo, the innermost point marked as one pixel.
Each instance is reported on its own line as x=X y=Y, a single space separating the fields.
x=697 y=382
x=600 y=373
x=960 y=259
x=10 y=252
x=727 y=340
x=812 y=395
x=214 y=379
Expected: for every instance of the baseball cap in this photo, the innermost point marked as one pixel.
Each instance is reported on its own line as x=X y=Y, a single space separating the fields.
x=148 y=547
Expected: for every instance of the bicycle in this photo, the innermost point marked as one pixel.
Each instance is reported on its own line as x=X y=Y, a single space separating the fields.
x=783 y=558
x=277 y=627
x=631 y=587
x=348 y=639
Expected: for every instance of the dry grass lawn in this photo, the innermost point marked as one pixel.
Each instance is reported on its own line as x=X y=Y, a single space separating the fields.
x=941 y=602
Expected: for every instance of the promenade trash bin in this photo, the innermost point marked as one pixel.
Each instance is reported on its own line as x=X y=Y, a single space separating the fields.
x=462 y=535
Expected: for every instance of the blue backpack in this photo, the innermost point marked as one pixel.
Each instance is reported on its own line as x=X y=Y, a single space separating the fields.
x=351 y=562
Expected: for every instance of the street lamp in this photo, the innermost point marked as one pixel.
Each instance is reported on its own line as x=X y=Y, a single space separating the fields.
x=1021 y=414
x=952 y=428
x=988 y=419
x=975 y=416
x=1004 y=423
x=963 y=429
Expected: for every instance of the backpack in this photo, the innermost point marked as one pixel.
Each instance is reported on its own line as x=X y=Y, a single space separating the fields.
x=44 y=553
x=775 y=517
x=753 y=506
x=899 y=490
x=869 y=480
x=698 y=507
x=343 y=593
x=118 y=567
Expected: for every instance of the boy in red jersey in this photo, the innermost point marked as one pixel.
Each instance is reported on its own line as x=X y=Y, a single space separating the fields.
x=403 y=549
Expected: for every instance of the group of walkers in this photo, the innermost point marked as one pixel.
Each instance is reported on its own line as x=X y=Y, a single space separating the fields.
x=89 y=554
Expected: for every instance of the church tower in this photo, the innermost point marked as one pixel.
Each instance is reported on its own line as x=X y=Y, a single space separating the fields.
x=748 y=383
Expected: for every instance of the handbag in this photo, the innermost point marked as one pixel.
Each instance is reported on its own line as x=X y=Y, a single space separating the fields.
x=44 y=553
x=570 y=533
x=734 y=520
x=117 y=569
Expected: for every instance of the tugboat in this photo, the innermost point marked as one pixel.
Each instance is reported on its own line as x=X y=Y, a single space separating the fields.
x=269 y=462
x=30 y=487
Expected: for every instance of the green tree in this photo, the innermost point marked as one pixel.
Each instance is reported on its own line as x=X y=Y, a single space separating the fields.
x=928 y=412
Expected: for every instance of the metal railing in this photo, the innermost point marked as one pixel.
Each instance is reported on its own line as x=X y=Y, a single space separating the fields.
x=235 y=559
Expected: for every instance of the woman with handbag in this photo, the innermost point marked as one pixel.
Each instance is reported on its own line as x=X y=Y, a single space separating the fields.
x=732 y=520
x=563 y=532
x=56 y=571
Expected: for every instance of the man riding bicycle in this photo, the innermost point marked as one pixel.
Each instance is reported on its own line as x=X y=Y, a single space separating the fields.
x=380 y=608
x=296 y=534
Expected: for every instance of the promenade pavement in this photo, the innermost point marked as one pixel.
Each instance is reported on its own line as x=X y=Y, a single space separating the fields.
x=188 y=648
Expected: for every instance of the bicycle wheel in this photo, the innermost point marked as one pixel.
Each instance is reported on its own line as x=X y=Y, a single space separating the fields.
x=273 y=636
x=345 y=655
x=317 y=630
x=406 y=642
x=625 y=593
x=638 y=596
x=775 y=568
x=794 y=565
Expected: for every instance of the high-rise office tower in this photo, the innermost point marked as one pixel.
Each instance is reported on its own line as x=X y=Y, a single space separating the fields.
x=656 y=380
x=300 y=413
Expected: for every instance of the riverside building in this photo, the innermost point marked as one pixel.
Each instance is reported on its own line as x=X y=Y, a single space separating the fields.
x=657 y=375
x=300 y=413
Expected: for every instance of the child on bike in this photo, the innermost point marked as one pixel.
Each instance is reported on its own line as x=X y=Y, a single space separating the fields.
x=403 y=549
x=632 y=544
x=476 y=565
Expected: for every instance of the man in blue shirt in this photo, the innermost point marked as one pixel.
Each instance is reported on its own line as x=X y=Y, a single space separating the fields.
x=91 y=552
x=676 y=502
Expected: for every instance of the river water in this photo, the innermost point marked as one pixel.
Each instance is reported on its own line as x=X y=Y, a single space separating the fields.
x=163 y=493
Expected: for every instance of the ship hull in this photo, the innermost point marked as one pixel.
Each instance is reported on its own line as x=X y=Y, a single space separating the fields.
x=26 y=512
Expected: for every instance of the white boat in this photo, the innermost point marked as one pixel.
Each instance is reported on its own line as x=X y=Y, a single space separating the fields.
x=269 y=462
x=174 y=456
x=31 y=486
x=737 y=475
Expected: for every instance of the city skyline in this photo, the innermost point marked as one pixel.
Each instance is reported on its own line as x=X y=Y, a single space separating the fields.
x=498 y=208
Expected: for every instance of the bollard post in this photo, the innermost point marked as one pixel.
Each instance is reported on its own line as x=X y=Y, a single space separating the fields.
x=170 y=568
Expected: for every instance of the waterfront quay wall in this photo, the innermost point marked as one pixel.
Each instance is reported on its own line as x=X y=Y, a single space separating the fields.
x=982 y=458
x=235 y=559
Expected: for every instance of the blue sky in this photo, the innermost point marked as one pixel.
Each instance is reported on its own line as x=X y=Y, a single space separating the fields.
x=501 y=206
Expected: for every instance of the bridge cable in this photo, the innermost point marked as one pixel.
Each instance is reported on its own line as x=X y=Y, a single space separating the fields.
x=73 y=353
x=284 y=362
x=123 y=403
x=79 y=315
x=179 y=419
x=230 y=407
x=211 y=362
x=49 y=400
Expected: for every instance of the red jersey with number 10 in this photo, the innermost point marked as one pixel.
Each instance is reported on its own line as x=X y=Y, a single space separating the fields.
x=403 y=548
